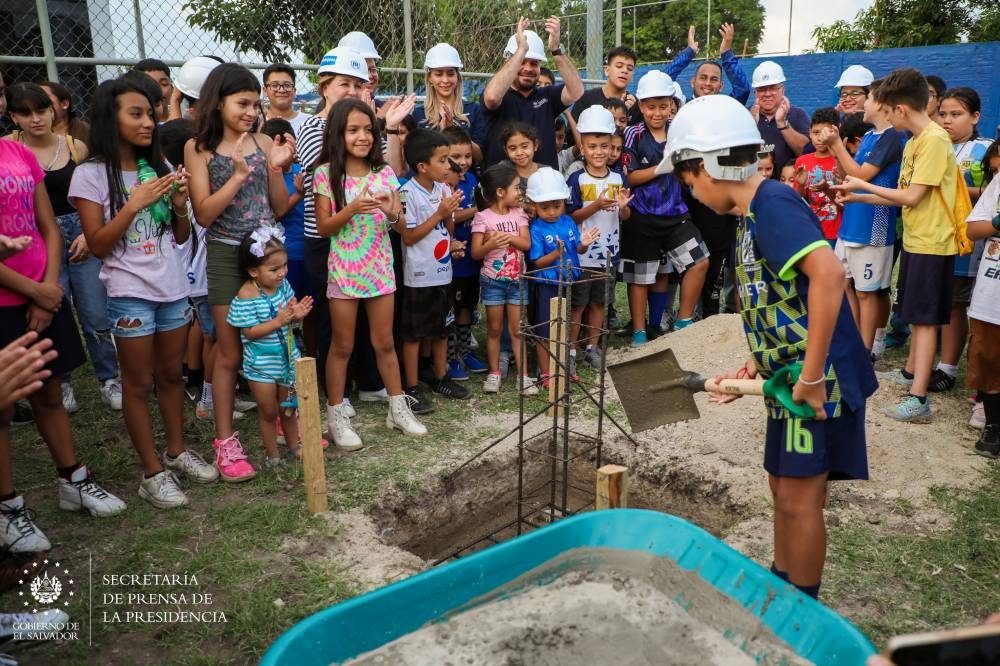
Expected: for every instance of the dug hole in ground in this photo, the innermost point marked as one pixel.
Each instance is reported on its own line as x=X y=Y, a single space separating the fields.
x=706 y=470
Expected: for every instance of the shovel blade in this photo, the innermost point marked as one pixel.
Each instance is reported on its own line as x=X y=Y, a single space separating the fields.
x=646 y=405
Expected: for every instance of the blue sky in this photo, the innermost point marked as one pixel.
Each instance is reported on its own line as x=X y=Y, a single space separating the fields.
x=806 y=15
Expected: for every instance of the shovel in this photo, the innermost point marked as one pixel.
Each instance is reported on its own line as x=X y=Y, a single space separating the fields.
x=655 y=390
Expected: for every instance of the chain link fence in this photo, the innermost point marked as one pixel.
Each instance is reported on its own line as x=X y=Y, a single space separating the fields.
x=82 y=42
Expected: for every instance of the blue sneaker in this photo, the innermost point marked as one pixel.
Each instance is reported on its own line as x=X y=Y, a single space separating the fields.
x=683 y=323
x=456 y=372
x=910 y=410
x=639 y=338
x=473 y=364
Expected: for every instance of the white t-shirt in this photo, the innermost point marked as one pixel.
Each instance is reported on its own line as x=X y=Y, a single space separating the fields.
x=198 y=264
x=584 y=189
x=147 y=263
x=985 y=304
x=427 y=263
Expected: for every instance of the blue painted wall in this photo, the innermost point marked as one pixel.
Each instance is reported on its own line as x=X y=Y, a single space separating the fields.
x=811 y=77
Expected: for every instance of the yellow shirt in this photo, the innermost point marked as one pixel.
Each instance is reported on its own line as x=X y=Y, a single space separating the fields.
x=929 y=159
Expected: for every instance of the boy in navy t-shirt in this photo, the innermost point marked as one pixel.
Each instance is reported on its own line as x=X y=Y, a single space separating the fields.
x=868 y=231
x=659 y=235
x=794 y=312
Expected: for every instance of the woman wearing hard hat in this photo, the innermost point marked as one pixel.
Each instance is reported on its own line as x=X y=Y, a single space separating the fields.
x=364 y=45
x=443 y=105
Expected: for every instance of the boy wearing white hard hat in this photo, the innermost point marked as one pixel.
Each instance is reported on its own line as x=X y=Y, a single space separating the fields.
x=443 y=104
x=513 y=95
x=659 y=237
x=854 y=85
x=555 y=247
x=597 y=201
x=784 y=128
x=795 y=314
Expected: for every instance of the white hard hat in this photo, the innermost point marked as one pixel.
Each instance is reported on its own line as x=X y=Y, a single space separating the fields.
x=596 y=120
x=536 y=48
x=346 y=61
x=679 y=94
x=856 y=75
x=192 y=75
x=441 y=56
x=361 y=43
x=655 y=83
x=707 y=128
x=546 y=184
x=767 y=73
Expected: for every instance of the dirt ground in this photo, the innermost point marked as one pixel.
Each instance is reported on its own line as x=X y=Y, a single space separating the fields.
x=713 y=466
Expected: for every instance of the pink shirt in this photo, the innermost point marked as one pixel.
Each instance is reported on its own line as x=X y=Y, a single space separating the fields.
x=20 y=173
x=501 y=264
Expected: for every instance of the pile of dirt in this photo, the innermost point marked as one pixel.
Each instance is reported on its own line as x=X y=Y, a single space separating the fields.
x=727 y=443
x=607 y=606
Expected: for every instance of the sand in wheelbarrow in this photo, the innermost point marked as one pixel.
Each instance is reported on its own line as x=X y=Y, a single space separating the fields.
x=594 y=606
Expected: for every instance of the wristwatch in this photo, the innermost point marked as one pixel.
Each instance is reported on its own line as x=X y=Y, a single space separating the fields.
x=558 y=51
x=780 y=127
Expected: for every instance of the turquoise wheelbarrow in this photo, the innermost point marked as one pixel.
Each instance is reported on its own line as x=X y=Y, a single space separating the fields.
x=369 y=621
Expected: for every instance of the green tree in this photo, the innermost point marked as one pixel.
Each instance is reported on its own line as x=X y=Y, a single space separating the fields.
x=477 y=28
x=902 y=23
x=660 y=31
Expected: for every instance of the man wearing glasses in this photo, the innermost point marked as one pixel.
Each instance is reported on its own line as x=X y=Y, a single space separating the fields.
x=854 y=85
x=783 y=127
x=279 y=86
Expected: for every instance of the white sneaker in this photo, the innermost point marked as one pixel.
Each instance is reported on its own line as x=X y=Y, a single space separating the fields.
x=340 y=430
x=191 y=465
x=48 y=620
x=111 y=394
x=17 y=531
x=978 y=418
x=373 y=396
x=492 y=383
x=161 y=490
x=529 y=385
x=69 y=399
x=348 y=409
x=241 y=405
x=401 y=418
x=80 y=492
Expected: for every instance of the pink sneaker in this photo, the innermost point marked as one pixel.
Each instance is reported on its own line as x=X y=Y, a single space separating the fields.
x=232 y=461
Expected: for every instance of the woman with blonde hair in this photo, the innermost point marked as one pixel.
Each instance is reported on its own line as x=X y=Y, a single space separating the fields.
x=443 y=105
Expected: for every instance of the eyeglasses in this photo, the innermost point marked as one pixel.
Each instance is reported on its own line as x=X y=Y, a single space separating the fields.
x=282 y=87
x=853 y=93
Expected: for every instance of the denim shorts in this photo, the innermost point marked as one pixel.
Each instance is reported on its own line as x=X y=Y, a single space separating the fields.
x=501 y=292
x=203 y=312
x=137 y=317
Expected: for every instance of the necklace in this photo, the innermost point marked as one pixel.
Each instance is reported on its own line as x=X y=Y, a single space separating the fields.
x=55 y=158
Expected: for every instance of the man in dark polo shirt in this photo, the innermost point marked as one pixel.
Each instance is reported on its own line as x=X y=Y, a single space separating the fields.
x=783 y=127
x=512 y=95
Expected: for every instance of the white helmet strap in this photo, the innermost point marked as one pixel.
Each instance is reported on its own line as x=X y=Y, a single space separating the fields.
x=712 y=166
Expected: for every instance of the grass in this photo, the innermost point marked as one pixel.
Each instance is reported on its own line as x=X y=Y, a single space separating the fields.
x=904 y=582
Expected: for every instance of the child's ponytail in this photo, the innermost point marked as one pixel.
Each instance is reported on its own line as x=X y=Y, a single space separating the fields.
x=497 y=177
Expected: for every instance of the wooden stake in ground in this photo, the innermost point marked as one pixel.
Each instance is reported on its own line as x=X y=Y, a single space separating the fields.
x=310 y=430
x=612 y=487
x=559 y=325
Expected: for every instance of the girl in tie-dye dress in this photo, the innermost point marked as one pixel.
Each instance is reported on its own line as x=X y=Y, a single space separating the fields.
x=356 y=202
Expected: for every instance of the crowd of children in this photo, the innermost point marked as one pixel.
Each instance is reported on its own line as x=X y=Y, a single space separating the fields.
x=189 y=228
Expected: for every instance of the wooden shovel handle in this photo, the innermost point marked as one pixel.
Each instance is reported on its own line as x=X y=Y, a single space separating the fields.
x=736 y=386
